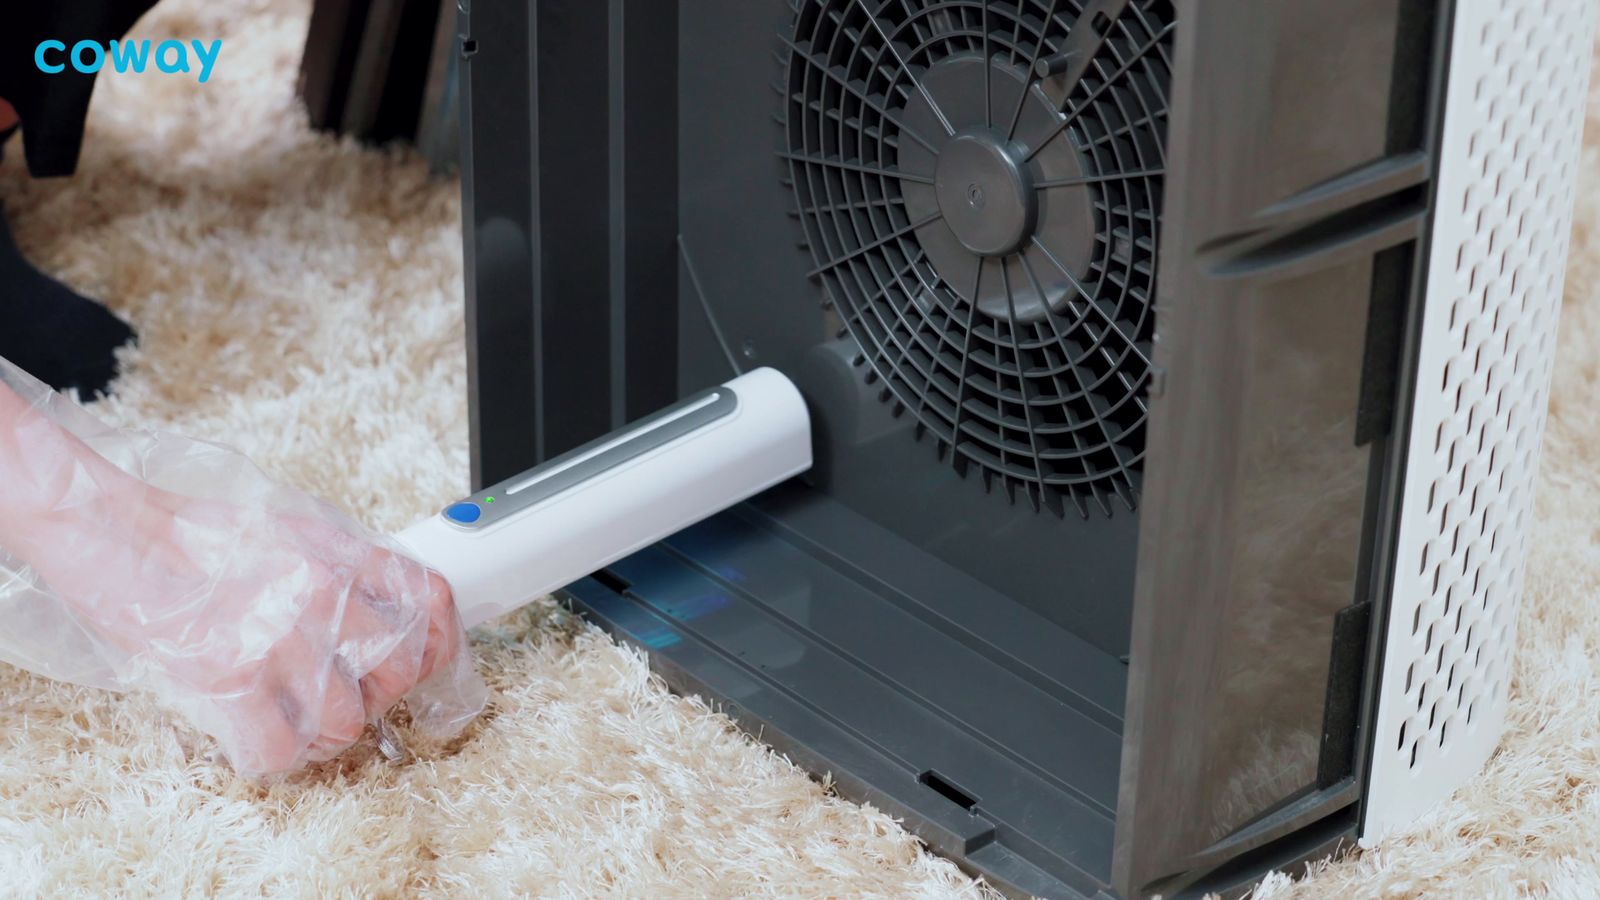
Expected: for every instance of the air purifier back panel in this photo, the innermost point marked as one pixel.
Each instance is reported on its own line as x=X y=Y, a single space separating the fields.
x=1513 y=126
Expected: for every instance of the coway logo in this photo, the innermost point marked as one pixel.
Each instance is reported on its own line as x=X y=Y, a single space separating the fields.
x=169 y=57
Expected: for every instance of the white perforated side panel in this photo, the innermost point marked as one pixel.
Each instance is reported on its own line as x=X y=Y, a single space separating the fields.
x=1513 y=125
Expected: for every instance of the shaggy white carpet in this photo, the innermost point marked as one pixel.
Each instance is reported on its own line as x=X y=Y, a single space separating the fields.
x=300 y=299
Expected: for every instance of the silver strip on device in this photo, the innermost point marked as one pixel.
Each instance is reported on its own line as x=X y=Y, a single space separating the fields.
x=570 y=469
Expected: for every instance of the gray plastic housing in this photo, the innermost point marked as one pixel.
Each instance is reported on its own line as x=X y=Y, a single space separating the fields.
x=1050 y=701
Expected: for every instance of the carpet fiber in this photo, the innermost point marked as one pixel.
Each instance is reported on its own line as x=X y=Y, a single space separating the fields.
x=299 y=299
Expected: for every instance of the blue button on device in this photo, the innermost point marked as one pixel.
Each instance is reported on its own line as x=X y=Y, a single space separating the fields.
x=465 y=513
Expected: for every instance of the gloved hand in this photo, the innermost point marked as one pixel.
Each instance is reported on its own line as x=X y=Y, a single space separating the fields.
x=269 y=620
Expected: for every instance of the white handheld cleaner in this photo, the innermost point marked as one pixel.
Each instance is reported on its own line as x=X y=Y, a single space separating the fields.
x=546 y=528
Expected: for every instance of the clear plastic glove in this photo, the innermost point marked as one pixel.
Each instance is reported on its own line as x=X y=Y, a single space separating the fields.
x=134 y=560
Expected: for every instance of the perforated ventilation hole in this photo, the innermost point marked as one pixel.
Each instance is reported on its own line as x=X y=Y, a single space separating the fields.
x=1519 y=69
x=980 y=185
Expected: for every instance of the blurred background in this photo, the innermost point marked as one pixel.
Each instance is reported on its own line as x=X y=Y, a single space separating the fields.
x=382 y=70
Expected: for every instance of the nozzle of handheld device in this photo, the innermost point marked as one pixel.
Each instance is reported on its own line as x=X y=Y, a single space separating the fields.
x=525 y=537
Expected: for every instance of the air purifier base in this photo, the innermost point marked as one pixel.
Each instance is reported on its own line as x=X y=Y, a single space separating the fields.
x=994 y=734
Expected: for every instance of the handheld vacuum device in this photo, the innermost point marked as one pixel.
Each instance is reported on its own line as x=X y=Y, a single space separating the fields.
x=550 y=526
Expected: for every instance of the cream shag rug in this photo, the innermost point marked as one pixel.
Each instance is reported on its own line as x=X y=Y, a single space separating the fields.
x=300 y=299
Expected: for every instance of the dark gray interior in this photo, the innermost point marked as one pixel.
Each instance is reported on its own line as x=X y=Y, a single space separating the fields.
x=769 y=311
x=1148 y=679
x=986 y=597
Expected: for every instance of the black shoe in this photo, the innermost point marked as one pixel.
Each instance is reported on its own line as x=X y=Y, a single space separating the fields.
x=59 y=337
x=53 y=107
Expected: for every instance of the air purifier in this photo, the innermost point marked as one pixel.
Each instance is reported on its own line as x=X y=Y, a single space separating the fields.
x=1175 y=376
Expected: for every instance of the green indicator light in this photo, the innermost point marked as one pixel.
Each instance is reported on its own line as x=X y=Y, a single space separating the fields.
x=488 y=499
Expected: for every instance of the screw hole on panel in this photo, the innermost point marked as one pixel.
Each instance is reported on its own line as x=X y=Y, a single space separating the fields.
x=944 y=788
x=613 y=582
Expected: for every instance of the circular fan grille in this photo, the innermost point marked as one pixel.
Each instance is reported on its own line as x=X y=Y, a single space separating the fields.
x=980 y=183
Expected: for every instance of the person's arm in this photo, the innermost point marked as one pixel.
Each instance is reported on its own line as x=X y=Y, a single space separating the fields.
x=280 y=635
x=63 y=506
x=38 y=464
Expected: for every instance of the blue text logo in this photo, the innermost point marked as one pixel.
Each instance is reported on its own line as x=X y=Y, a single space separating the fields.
x=171 y=57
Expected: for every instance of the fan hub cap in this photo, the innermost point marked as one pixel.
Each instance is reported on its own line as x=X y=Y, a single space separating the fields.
x=998 y=200
x=985 y=192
